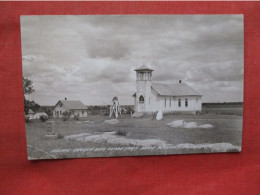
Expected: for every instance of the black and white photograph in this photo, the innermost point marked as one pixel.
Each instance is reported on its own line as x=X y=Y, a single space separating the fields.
x=132 y=85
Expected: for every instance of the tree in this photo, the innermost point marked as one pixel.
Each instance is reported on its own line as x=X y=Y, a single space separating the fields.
x=28 y=89
x=48 y=111
x=27 y=86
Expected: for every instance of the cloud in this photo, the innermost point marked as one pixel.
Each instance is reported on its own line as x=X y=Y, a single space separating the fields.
x=93 y=57
x=114 y=49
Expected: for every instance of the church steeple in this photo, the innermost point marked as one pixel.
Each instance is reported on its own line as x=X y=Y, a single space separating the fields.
x=143 y=73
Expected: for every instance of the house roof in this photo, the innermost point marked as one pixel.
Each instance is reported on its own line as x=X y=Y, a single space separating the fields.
x=72 y=104
x=30 y=111
x=180 y=89
x=144 y=68
x=40 y=113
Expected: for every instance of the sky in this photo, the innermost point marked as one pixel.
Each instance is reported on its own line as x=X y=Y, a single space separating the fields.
x=92 y=58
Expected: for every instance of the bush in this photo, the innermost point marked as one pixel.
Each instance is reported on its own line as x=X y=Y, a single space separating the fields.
x=65 y=116
x=66 y=113
x=121 y=132
x=60 y=136
x=76 y=116
x=43 y=118
x=27 y=119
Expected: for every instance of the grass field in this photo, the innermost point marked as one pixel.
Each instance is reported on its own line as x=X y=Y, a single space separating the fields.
x=92 y=137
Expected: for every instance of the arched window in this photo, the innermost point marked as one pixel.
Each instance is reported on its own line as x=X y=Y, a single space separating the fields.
x=179 y=102
x=186 y=102
x=141 y=99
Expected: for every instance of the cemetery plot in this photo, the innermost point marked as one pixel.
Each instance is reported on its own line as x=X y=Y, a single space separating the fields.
x=126 y=136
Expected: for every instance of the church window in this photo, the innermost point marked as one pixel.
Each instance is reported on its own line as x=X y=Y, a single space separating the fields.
x=170 y=102
x=149 y=100
x=141 y=99
x=186 y=102
x=142 y=76
x=179 y=102
x=149 y=76
x=165 y=102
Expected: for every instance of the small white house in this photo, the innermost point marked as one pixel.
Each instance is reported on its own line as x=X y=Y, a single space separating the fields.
x=30 y=114
x=39 y=114
x=73 y=107
x=153 y=96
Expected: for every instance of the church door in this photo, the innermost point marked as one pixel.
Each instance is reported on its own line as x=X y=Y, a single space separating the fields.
x=141 y=104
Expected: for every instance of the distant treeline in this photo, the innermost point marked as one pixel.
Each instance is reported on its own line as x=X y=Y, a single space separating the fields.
x=223 y=104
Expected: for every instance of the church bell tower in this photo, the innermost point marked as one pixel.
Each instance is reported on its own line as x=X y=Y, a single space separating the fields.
x=143 y=86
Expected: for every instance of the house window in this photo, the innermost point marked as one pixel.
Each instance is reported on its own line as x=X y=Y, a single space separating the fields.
x=186 y=102
x=141 y=99
x=60 y=112
x=82 y=111
x=196 y=100
x=170 y=102
x=149 y=100
x=179 y=102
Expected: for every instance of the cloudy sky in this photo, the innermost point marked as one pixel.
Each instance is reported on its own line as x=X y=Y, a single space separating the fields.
x=92 y=58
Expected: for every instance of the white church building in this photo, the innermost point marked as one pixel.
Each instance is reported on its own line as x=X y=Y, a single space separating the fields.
x=152 y=96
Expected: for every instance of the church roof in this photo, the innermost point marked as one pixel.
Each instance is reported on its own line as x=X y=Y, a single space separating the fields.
x=143 y=67
x=72 y=104
x=180 y=89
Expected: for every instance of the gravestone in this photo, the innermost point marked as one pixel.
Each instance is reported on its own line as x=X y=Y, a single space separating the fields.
x=159 y=116
x=50 y=129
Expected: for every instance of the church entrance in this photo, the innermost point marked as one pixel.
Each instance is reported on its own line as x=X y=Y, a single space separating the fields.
x=141 y=107
x=141 y=104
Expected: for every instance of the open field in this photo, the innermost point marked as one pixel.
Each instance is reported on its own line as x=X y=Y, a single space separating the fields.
x=223 y=108
x=92 y=137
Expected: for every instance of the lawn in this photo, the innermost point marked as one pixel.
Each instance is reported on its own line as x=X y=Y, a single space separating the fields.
x=91 y=137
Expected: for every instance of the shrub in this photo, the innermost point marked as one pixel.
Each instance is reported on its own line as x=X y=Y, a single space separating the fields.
x=76 y=116
x=121 y=132
x=65 y=116
x=27 y=119
x=43 y=118
x=60 y=135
